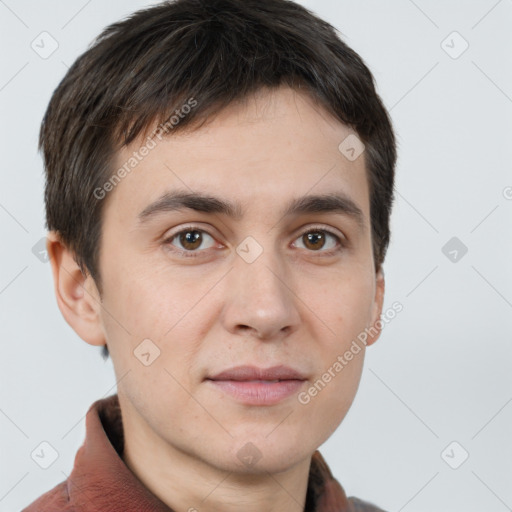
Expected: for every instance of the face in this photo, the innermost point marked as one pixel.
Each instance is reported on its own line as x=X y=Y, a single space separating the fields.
x=265 y=283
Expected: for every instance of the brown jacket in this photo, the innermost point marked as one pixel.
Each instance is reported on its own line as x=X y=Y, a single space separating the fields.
x=101 y=481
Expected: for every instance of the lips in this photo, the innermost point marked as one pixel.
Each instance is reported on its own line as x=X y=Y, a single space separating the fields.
x=248 y=373
x=251 y=385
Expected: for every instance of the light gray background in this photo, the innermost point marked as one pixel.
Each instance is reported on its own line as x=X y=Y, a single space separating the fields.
x=441 y=370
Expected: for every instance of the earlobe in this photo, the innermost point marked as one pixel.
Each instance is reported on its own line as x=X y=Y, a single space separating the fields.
x=376 y=325
x=76 y=294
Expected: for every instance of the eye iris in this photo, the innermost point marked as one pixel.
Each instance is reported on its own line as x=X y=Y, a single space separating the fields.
x=188 y=238
x=314 y=237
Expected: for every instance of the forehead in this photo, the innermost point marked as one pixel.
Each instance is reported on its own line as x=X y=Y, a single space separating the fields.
x=273 y=147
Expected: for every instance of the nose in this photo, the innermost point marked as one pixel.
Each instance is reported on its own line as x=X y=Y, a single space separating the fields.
x=261 y=299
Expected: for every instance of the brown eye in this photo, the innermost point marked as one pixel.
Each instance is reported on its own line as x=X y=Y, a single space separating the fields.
x=314 y=240
x=191 y=240
x=320 y=240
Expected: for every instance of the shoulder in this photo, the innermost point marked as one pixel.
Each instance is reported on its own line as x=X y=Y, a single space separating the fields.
x=55 y=500
x=357 y=505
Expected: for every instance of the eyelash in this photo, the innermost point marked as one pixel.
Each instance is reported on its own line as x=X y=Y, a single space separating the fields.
x=197 y=253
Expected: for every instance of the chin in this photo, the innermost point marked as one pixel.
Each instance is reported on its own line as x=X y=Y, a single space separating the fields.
x=262 y=455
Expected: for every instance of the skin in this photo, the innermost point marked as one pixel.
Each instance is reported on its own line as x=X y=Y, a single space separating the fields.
x=293 y=305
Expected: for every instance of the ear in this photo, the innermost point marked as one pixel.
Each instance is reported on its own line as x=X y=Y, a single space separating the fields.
x=77 y=295
x=376 y=324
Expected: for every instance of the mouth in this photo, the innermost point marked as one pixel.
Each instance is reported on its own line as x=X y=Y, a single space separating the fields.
x=251 y=385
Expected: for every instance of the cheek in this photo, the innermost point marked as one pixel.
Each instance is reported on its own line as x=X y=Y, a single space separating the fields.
x=345 y=304
x=345 y=308
x=148 y=303
x=326 y=402
x=149 y=300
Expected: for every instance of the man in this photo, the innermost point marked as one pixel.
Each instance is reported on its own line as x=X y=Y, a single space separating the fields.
x=219 y=184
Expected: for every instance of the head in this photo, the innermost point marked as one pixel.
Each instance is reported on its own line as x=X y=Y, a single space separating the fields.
x=246 y=104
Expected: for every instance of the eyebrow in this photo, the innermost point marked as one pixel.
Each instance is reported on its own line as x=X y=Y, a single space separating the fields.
x=173 y=201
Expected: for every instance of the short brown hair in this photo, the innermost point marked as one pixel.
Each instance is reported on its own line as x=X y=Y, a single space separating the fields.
x=138 y=71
